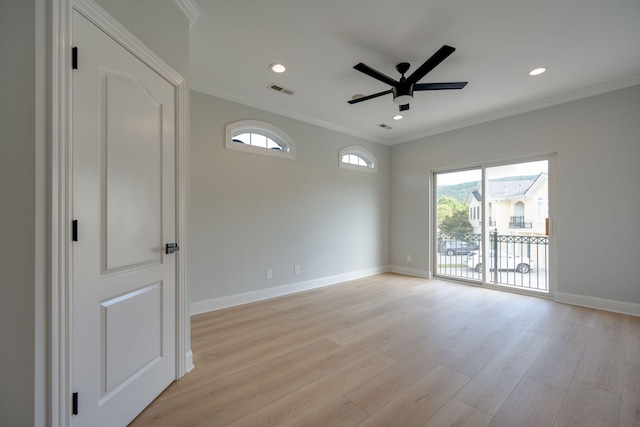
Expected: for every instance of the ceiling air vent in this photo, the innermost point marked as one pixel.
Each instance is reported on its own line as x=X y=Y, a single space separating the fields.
x=384 y=126
x=280 y=89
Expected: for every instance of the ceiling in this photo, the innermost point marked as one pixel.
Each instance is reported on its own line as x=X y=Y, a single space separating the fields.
x=588 y=47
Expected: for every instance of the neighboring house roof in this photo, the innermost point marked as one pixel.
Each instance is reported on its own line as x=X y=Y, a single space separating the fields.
x=474 y=195
x=507 y=189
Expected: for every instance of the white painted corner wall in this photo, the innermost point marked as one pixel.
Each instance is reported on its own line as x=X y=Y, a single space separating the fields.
x=199 y=307
x=249 y=212
x=596 y=141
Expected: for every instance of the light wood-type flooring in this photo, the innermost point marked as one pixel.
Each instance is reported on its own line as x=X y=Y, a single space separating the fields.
x=392 y=350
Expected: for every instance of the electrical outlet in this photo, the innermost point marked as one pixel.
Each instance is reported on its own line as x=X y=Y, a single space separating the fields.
x=408 y=258
x=296 y=269
x=269 y=273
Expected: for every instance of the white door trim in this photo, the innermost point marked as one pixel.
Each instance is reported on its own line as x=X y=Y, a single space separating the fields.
x=61 y=197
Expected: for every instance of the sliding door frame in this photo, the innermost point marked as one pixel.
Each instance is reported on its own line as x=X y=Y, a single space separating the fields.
x=552 y=203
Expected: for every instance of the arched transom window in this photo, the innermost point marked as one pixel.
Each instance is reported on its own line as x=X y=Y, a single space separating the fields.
x=357 y=158
x=260 y=138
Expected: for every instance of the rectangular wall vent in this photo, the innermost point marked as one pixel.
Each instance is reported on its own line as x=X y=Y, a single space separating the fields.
x=280 y=89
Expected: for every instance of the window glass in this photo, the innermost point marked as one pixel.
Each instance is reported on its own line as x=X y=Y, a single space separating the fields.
x=244 y=138
x=259 y=138
x=357 y=158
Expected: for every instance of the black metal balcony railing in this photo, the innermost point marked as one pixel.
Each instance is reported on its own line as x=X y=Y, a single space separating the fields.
x=519 y=261
x=518 y=222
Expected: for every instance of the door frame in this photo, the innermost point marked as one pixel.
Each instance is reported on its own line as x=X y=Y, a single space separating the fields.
x=61 y=196
x=551 y=158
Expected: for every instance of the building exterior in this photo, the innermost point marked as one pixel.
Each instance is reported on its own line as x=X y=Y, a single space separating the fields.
x=516 y=207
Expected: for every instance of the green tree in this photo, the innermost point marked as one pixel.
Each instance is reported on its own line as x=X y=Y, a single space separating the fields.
x=452 y=202
x=444 y=211
x=458 y=222
x=448 y=207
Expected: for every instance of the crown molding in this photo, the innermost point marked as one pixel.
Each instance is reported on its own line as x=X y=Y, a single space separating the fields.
x=220 y=93
x=547 y=102
x=190 y=10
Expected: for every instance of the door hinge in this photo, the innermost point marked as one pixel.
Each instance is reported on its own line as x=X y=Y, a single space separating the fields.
x=74 y=230
x=74 y=58
x=171 y=248
x=74 y=403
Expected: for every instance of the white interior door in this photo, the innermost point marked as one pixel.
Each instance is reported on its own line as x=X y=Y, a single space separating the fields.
x=123 y=292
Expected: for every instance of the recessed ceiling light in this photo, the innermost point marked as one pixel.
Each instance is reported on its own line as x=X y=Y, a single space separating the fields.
x=537 y=71
x=397 y=117
x=277 y=68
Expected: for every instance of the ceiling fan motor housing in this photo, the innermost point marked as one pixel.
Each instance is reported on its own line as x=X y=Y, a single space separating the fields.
x=403 y=93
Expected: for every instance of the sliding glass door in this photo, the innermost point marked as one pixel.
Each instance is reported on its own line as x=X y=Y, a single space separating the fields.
x=500 y=239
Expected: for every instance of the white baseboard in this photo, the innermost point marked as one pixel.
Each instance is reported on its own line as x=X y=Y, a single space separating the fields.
x=599 y=303
x=213 y=304
x=425 y=274
x=189 y=361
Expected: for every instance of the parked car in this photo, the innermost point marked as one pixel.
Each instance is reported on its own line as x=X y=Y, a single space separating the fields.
x=506 y=261
x=457 y=247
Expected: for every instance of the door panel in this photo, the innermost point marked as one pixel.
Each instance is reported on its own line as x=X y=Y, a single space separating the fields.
x=132 y=185
x=123 y=284
x=132 y=338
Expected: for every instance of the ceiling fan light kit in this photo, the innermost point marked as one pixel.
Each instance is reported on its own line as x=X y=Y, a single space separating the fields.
x=403 y=89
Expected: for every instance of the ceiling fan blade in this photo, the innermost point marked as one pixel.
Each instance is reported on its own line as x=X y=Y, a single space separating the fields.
x=375 y=74
x=365 y=98
x=431 y=63
x=439 y=86
x=404 y=107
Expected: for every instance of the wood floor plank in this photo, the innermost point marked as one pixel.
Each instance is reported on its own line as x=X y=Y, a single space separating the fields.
x=531 y=404
x=266 y=346
x=633 y=340
x=420 y=402
x=588 y=406
x=268 y=370
x=551 y=316
x=612 y=323
x=260 y=329
x=383 y=388
x=391 y=322
x=300 y=375
x=603 y=362
x=226 y=324
x=481 y=349
x=372 y=351
x=295 y=407
x=557 y=364
x=630 y=405
x=459 y=414
x=489 y=389
x=339 y=413
x=583 y=316
x=216 y=404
